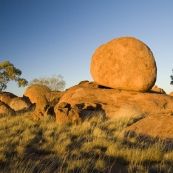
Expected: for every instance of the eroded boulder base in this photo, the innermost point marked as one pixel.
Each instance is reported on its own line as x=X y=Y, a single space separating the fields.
x=65 y=113
x=112 y=100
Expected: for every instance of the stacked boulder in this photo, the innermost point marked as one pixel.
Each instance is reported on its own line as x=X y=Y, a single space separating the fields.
x=36 y=94
x=46 y=103
x=10 y=103
x=124 y=72
x=124 y=63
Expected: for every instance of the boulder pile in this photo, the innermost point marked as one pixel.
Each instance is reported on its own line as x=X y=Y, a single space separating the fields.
x=124 y=72
x=10 y=104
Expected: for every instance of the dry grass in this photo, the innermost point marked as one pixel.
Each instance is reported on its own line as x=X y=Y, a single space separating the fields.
x=95 y=146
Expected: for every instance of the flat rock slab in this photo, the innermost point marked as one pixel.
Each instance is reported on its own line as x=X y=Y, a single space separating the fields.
x=112 y=100
x=154 y=126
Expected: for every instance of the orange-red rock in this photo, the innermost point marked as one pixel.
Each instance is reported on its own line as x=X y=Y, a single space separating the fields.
x=154 y=126
x=65 y=113
x=34 y=92
x=111 y=100
x=6 y=97
x=53 y=97
x=171 y=93
x=19 y=103
x=124 y=63
x=37 y=94
x=156 y=89
x=5 y=109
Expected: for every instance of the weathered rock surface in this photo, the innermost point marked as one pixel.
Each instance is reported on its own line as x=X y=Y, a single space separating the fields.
x=124 y=63
x=65 y=113
x=171 y=93
x=37 y=94
x=156 y=89
x=5 y=109
x=53 y=97
x=19 y=103
x=111 y=100
x=6 y=97
x=154 y=126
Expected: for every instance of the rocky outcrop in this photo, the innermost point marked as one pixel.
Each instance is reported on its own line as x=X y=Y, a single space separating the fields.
x=37 y=94
x=5 y=109
x=53 y=97
x=6 y=97
x=112 y=100
x=20 y=103
x=156 y=89
x=153 y=126
x=171 y=93
x=65 y=113
x=124 y=63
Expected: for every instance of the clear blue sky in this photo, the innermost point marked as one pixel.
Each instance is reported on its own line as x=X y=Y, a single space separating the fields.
x=42 y=37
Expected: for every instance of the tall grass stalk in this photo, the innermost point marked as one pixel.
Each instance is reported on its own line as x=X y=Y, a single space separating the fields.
x=96 y=145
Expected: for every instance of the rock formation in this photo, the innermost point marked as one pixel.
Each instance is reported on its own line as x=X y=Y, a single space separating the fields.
x=111 y=100
x=124 y=73
x=124 y=63
x=5 y=109
x=19 y=103
x=53 y=97
x=156 y=89
x=36 y=94
x=171 y=93
x=153 y=126
x=6 y=97
x=14 y=102
x=65 y=113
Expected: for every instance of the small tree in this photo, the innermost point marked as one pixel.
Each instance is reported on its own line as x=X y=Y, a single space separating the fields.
x=7 y=73
x=55 y=83
x=171 y=78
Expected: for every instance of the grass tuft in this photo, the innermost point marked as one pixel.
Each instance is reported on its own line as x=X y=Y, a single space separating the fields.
x=96 y=145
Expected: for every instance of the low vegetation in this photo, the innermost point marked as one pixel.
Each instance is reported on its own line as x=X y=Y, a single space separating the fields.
x=54 y=83
x=97 y=145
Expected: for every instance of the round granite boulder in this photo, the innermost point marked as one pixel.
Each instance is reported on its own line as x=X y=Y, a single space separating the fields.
x=36 y=92
x=124 y=63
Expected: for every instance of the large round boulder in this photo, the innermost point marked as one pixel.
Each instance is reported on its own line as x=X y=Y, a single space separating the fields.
x=36 y=92
x=124 y=63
